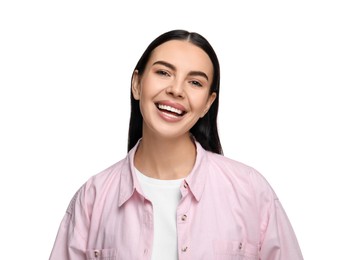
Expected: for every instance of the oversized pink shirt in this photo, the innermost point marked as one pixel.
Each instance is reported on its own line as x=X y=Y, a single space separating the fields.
x=227 y=211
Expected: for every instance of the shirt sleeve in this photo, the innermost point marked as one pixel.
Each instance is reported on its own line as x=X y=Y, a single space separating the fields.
x=279 y=240
x=71 y=239
x=277 y=237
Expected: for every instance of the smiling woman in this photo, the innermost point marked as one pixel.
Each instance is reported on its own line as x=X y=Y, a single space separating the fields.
x=175 y=196
x=176 y=78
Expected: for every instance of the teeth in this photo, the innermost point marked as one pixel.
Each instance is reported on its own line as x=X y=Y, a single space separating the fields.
x=171 y=109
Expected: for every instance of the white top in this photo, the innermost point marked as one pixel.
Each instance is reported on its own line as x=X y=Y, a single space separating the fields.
x=165 y=196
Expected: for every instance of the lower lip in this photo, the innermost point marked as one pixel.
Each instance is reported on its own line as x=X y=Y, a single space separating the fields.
x=169 y=117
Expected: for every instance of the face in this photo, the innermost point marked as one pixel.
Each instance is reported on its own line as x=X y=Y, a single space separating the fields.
x=174 y=89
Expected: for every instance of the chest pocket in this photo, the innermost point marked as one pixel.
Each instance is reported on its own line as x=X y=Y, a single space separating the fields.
x=101 y=254
x=234 y=250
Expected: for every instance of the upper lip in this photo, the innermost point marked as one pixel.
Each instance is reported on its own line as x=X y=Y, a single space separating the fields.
x=172 y=104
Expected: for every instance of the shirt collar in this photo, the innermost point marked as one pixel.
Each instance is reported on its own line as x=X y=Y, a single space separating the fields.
x=128 y=179
x=195 y=180
x=197 y=177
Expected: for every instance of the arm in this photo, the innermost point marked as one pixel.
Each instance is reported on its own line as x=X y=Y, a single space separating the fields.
x=71 y=240
x=277 y=238
x=279 y=241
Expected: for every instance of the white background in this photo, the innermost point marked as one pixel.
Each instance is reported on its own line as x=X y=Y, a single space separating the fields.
x=287 y=105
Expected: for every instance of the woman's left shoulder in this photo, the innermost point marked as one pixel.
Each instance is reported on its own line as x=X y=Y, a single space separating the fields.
x=229 y=165
x=236 y=172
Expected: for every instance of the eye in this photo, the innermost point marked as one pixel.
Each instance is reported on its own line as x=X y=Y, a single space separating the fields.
x=162 y=73
x=196 y=83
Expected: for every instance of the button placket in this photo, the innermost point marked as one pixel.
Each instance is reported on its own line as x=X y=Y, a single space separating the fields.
x=184 y=189
x=183 y=224
x=147 y=229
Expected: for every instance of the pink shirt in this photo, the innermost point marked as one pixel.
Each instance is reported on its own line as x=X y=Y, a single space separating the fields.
x=227 y=211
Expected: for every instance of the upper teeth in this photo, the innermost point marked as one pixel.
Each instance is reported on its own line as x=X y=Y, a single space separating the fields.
x=171 y=109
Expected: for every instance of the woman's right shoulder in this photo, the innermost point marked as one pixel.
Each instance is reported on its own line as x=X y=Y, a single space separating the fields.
x=100 y=184
x=109 y=176
x=112 y=172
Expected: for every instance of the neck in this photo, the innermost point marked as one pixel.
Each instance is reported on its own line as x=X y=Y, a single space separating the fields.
x=165 y=159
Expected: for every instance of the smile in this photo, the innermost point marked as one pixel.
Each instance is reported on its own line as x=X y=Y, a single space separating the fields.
x=170 y=110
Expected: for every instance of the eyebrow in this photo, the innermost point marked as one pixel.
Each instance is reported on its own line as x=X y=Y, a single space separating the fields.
x=172 y=67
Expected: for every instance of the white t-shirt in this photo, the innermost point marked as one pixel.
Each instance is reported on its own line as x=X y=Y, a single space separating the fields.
x=165 y=196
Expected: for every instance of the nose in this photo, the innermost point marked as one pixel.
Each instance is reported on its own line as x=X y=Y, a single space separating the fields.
x=176 y=89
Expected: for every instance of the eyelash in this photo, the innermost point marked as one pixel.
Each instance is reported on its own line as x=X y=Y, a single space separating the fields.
x=163 y=73
x=196 y=83
x=167 y=74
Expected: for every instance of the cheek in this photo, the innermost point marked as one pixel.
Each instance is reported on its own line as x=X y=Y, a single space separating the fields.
x=199 y=103
x=150 y=87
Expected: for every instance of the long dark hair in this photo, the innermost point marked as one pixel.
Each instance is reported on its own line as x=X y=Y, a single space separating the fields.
x=205 y=130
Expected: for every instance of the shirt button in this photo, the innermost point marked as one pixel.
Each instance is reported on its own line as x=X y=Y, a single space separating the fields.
x=184 y=249
x=96 y=253
x=184 y=217
x=145 y=251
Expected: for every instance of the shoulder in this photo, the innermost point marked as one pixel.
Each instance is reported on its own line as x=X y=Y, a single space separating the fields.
x=225 y=166
x=96 y=185
x=237 y=174
x=110 y=174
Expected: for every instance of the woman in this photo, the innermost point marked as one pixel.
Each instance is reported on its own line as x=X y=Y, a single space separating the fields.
x=175 y=196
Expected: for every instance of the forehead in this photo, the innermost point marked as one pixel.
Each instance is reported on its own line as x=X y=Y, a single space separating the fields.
x=183 y=55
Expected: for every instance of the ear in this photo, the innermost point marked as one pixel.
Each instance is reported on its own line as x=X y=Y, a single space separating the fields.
x=136 y=86
x=209 y=102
